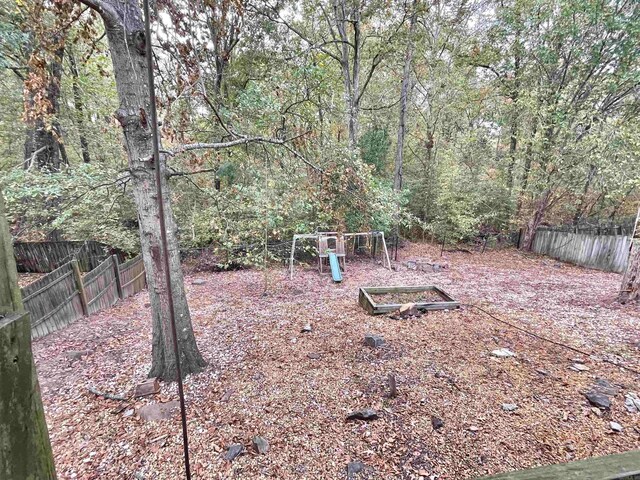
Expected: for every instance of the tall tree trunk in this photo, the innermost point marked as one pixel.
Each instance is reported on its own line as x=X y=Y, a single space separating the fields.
x=580 y=208
x=44 y=146
x=79 y=107
x=350 y=69
x=536 y=219
x=528 y=159
x=514 y=95
x=630 y=289
x=125 y=33
x=513 y=145
x=405 y=92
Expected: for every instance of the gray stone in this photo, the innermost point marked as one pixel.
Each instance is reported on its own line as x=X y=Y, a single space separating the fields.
x=616 y=427
x=373 y=341
x=436 y=423
x=598 y=399
x=199 y=281
x=606 y=388
x=260 y=444
x=503 y=353
x=509 y=407
x=159 y=411
x=632 y=402
x=233 y=451
x=313 y=356
x=366 y=414
x=353 y=468
x=579 y=367
x=307 y=328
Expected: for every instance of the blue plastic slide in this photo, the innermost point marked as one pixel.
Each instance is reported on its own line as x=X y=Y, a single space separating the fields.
x=335 y=267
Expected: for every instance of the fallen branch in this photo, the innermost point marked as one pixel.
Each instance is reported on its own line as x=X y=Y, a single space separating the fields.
x=108 y=396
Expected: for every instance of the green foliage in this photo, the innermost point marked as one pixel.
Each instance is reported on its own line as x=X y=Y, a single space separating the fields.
x=374 y=146
x=84 y=202
x=509 y=100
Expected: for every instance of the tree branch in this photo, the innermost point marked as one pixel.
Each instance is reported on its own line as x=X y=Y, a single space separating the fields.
x=108 y=13
x=374 y=64
x=243 y=140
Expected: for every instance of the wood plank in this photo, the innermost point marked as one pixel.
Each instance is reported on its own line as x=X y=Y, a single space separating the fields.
x=602 y=252
x=625 y=466
x=366 y=301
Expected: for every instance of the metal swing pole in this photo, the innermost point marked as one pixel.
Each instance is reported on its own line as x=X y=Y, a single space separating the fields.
x=163 y=231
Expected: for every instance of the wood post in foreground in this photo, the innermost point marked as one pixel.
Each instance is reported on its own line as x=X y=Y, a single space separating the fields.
x=25 y=449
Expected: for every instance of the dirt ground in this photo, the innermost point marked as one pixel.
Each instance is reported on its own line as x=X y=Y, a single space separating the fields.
x=262 y=381
x=25 y=279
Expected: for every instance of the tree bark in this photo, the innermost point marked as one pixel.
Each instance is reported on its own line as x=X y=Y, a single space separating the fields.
x=536 y=220
x=405 y=92
x=513 y=145
x=350 y=68
x=25 y=449
x=528 y=159
x=125 y=33
x=43 y=146
x=580 y=208
x=514 y=95
x=630 y=289
x=79 y=106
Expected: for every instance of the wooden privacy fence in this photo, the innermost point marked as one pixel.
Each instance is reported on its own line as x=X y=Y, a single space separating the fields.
x=64 y=295
x=132 y=279
x=604 y=252
x=44 y=257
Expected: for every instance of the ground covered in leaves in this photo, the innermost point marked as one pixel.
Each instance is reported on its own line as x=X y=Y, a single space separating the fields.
x=265 y=377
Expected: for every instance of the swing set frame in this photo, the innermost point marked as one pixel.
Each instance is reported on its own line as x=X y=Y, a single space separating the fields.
x=322 y=239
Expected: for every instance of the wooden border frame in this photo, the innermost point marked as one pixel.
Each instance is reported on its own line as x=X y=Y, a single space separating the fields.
x=366 y=301
x=622 y=466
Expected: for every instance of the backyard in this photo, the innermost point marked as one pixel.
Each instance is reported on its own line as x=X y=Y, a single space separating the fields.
x=460 y=411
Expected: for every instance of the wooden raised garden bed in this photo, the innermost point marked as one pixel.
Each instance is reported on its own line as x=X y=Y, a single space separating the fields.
x=379 y=300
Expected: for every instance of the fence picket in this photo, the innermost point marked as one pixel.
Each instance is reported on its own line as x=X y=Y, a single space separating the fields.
x=63 y=296
x=43 y=257
x=604 y=252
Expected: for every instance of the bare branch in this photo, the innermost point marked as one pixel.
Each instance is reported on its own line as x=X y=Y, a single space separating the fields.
x=107 y=12
x=374 y=64
x=243 y=140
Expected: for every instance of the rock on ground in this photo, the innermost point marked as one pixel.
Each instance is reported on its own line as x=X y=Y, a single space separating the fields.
x=260 y=444
x=366 y=414
x=373 y=341
x=159 y=411
x=233 y=451
x=503 y=353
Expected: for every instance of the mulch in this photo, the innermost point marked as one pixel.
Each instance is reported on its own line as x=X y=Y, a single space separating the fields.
x=266 y=378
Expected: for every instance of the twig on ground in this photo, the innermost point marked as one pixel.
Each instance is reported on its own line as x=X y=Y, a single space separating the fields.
x=108 y=396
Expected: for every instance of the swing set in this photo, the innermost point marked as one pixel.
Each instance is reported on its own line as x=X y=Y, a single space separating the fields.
x=332 y=247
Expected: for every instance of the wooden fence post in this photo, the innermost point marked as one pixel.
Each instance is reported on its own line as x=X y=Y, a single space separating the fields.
x=80 y=286
x=25 y=449
x=116 y=268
